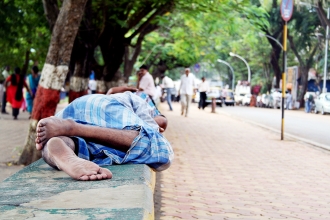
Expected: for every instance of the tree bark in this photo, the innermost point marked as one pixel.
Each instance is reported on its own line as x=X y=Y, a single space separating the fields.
x=54 y=71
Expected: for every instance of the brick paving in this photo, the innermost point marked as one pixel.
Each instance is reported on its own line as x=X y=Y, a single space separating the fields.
x=228 y=169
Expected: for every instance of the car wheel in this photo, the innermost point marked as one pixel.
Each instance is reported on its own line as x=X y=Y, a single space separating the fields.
x=322 y=111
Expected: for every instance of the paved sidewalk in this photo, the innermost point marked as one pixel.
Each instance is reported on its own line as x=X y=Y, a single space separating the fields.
x=228 y=169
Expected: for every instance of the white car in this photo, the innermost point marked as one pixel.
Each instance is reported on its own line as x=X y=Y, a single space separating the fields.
x=239 y=98
x=322 y=103
x=246 y=99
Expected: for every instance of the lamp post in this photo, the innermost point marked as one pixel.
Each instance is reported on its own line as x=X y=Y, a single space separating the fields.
x=268 y=36
x=232 y=71
x=326 y=55
x=147 y=57
x=247 y=65
x=274 y=39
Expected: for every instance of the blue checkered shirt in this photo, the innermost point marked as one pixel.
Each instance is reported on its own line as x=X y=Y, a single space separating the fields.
x=126 y=111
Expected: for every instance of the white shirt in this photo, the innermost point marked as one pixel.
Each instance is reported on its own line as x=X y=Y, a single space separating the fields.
x=147 y=84
x=167 y=82
x=5 y=74
x=92 y=84
x=203 y=87
x=187 y=84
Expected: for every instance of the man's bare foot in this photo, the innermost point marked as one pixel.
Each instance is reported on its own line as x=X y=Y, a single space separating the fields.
x=52 y=127
x=65 y=159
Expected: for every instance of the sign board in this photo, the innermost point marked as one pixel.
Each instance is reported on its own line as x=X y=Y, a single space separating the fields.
x=286 y=9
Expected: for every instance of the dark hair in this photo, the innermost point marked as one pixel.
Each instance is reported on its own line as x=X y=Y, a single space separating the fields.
x=14 y=78
x=19 y=93
x=17 y=70
x=162 y=76
x=35 y=69
x=144 y=67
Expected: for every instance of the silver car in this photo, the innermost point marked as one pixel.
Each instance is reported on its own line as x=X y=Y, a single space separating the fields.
x=322 y=103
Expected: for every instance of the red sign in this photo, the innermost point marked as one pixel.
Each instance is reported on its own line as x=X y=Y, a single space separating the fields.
x=286 y=9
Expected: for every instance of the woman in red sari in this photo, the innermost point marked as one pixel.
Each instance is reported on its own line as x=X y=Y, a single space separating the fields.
x=14 y=86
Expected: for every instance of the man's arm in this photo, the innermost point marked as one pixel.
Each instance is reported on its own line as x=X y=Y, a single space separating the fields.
x=121 y=89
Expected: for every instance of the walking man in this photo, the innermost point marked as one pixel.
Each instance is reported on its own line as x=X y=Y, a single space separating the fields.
x=168 y=85
x=187 y=89
x=203 y=88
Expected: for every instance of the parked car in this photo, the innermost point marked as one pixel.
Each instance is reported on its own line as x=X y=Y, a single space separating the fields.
x=239 y=98
x=322 y=103
x=277 y=99
x=214 y=92
x=228 y=97
x=246 y=99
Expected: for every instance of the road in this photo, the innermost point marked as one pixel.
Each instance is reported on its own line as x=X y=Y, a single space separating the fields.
x=313 y=127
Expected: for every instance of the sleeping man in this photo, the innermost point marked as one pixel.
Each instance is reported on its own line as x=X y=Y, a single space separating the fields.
x=98 y=130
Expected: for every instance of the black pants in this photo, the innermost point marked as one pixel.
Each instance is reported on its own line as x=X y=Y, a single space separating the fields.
x=15 y=112
x=202 y=100
x=4 y=102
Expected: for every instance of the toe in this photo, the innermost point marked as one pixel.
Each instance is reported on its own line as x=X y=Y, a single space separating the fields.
x=84 y=178
x=41 y=133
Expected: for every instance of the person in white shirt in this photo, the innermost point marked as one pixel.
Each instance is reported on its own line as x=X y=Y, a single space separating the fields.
x=203 y=88
x=5 y=74
x=187 y=89
x=146 y=82
x=259 y=103
x=92 y=85
x=168 y=85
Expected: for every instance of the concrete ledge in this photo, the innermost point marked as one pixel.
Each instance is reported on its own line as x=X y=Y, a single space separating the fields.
x=40 y=192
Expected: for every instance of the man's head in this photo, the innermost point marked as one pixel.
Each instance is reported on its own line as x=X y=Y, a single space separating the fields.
x=7 y=68
x=143 y=69
x=162 y=122
x=203 y=79
x=187 y=71
x=162 y=76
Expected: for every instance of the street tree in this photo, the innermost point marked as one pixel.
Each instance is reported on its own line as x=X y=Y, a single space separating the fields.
x=54 y=71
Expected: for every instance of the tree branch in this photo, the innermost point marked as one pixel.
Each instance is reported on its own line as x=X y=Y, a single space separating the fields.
x=51 y=12
x=294 y=49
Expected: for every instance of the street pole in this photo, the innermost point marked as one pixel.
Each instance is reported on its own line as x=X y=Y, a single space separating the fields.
x=232 y=71
x=247 y=65
x=326 y=55
x=283 y=75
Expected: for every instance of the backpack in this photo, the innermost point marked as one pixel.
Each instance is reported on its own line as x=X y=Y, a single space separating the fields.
x=310 y=98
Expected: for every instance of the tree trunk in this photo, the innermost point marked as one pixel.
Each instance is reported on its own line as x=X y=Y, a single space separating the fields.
x=54 y=71
x=303 y=82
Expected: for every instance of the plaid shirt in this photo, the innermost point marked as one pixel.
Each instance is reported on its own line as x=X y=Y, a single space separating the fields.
x=125 y=111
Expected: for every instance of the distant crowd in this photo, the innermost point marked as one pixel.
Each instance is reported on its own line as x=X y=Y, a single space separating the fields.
x=11 y=90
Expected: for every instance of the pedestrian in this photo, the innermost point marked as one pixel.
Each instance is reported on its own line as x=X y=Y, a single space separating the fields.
x=146 y=82
x=186 y=91
x=14 y=86
x=32 y=82
x=203 y=88
x=92 y=85
x=307 y=102
x=5 y=74
x=168 y=85
x=99 y=130
x=259 y=103
x=289 y=100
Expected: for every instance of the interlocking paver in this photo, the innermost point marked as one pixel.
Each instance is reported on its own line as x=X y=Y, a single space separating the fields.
x=224 y=164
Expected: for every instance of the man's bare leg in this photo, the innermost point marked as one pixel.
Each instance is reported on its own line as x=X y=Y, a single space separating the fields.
x=59 y=152
x=53 y=127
